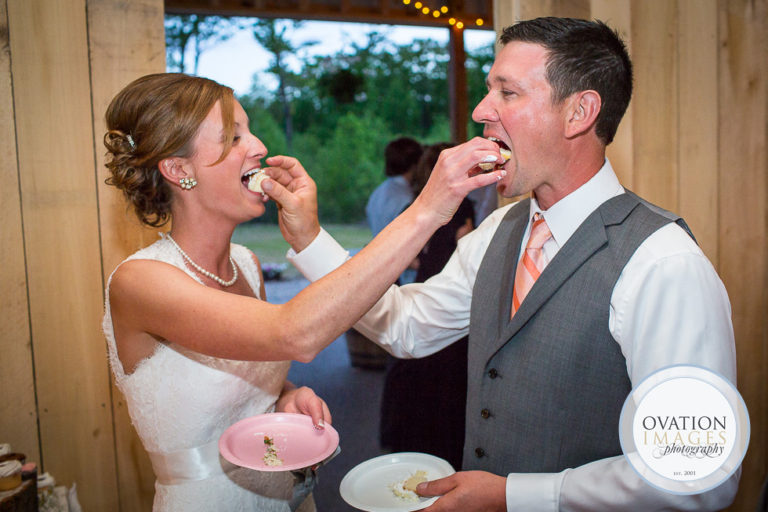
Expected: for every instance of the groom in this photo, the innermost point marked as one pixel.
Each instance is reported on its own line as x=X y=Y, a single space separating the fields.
x=570 y=298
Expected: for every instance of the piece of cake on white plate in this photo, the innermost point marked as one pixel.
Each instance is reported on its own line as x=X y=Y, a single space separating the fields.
x=406 y=489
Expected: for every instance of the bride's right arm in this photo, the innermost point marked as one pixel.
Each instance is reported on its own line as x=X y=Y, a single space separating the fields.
x=233 y=326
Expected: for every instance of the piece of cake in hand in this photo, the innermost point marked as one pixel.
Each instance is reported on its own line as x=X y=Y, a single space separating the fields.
x=255 y=179
x=505 y=152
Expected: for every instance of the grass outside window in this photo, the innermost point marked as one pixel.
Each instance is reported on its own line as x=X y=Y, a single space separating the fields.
x=268 y=244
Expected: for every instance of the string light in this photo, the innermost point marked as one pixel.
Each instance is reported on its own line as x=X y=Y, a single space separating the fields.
x=436 y=13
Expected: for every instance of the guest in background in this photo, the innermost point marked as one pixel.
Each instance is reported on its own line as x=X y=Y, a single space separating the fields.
x=390 y=198
x=484 y=200
x=435 y=254
x=431 y=420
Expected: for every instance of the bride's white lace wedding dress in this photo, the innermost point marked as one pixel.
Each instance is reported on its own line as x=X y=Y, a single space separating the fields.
x=181 y=401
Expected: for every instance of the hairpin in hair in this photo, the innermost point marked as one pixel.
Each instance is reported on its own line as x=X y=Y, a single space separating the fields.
x=130 y=141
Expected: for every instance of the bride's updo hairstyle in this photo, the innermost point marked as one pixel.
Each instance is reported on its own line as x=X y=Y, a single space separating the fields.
x=156 y=117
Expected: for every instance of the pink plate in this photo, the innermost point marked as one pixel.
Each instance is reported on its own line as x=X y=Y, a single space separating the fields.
x=298 y=443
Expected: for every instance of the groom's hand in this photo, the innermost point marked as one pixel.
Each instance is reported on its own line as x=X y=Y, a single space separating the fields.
x=296 y=196
x=467 y=491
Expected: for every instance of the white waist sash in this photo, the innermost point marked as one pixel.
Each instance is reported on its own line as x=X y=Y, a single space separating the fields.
x=189 y=465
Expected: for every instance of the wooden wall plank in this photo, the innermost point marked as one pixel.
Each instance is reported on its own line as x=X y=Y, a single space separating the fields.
x=655 y=136
x=503 y=15
x=697 y=126
x=18 y=412
x=617 y=14
x=55 y=149
x=126 y=41
x=743 y=185
x=528 y=9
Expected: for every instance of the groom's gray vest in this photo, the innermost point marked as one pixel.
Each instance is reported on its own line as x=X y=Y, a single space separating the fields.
x=545 y=390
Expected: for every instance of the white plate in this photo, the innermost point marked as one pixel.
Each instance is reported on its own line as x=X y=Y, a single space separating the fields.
x=367 y=485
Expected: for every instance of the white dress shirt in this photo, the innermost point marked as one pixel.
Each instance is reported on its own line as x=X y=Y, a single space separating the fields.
x=667 y=286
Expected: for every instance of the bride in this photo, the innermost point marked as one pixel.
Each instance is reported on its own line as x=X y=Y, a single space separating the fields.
x=193 y=344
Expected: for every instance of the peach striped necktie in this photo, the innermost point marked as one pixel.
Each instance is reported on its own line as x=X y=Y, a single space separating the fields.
x=532 y=263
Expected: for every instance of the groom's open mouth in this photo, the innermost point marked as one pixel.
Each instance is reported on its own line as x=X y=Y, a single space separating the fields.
x=506 y=154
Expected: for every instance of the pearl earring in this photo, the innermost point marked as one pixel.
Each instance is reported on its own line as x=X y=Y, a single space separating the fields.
x=188 y=183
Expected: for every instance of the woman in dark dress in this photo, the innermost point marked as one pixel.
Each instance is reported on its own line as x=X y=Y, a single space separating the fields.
x=423 y=403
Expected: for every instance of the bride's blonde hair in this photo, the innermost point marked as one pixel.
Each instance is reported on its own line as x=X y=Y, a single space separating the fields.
x=156 y=117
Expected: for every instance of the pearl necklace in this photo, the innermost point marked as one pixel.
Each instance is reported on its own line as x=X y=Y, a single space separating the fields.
x=204 y=272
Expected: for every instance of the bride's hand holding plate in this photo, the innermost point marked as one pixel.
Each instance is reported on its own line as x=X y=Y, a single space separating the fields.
x=304 y=401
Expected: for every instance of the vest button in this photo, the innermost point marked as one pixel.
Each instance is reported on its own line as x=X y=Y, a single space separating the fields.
x=485 y=413
x=479 y=452
x=493 y=373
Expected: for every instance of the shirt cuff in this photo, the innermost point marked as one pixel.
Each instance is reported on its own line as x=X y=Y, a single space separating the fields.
x=321 y=256
x=534 y=492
